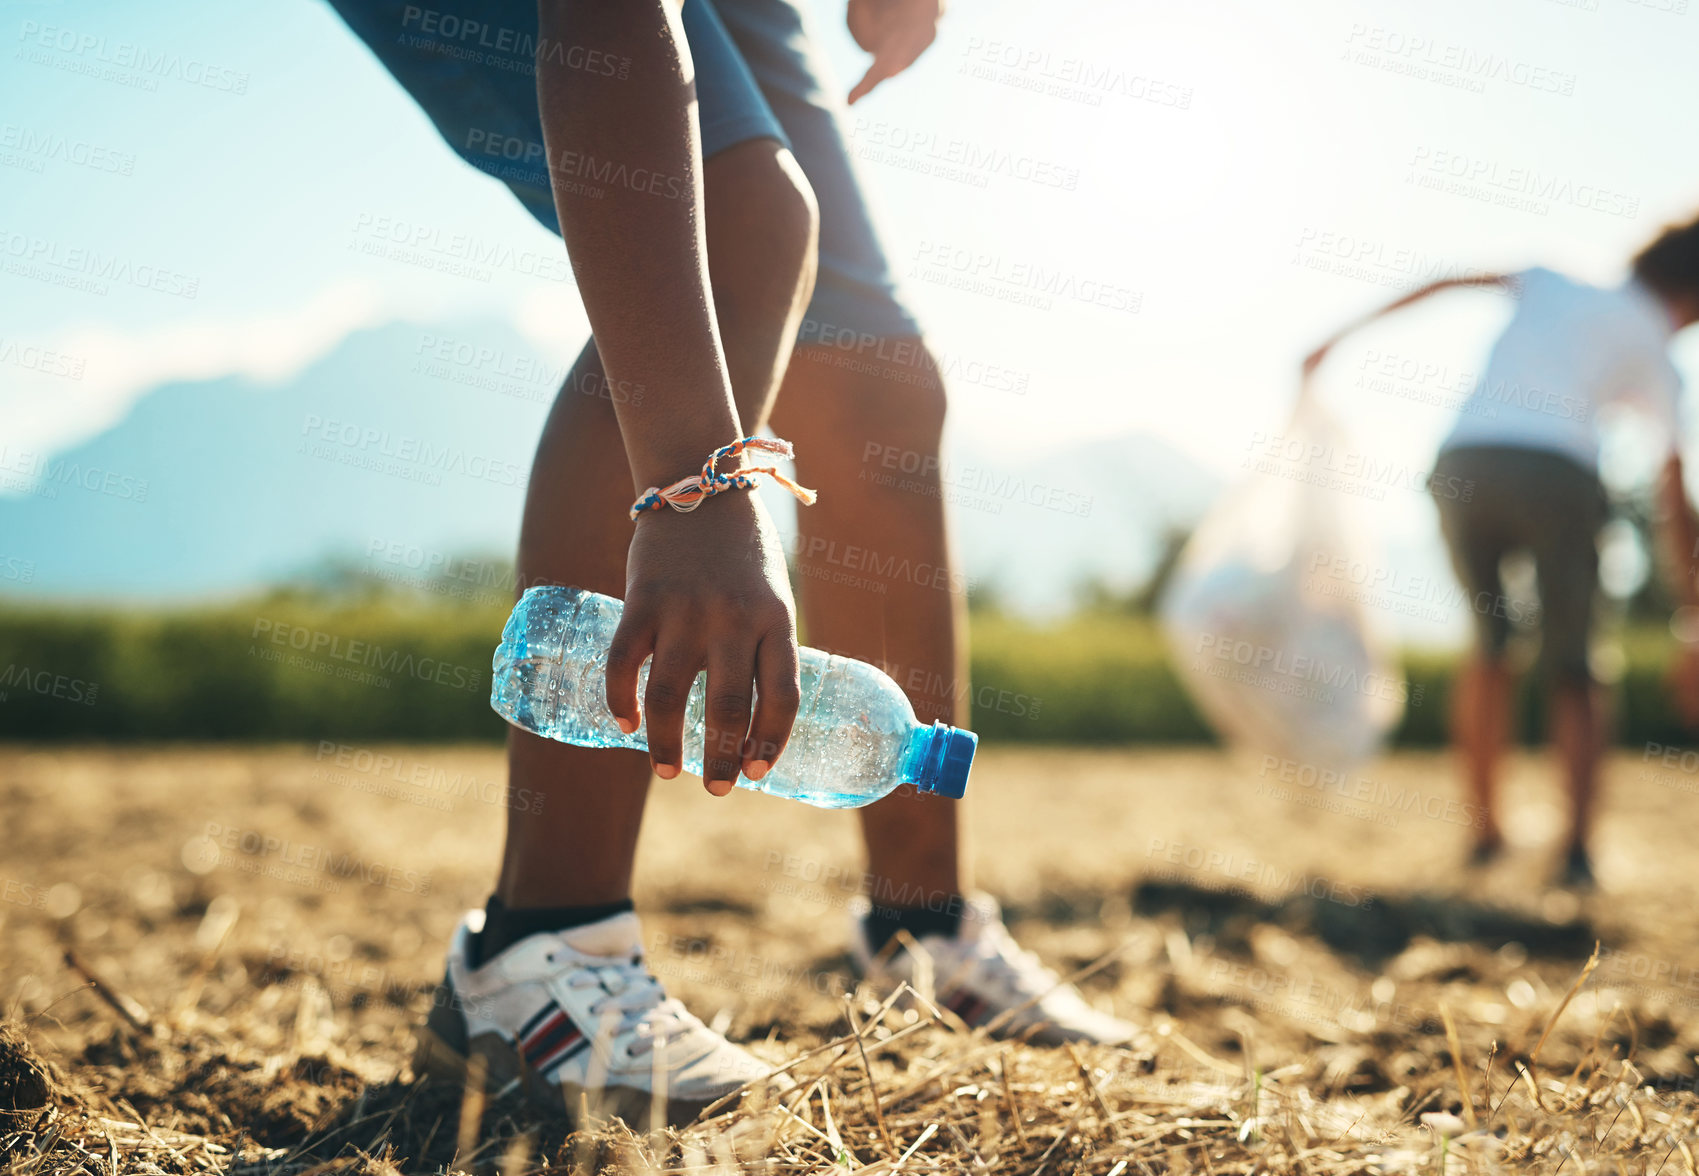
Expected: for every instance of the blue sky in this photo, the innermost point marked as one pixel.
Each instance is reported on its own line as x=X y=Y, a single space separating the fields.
x=1252 y=173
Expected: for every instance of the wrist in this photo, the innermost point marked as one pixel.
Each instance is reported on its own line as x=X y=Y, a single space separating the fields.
x=661 y=461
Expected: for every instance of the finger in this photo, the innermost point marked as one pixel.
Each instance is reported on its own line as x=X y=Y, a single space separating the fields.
x=672 y=673
x=891 y=59
x=865 y=86
x=885 y=65
x=633 y=641
x=776 y=702
x=731 y=678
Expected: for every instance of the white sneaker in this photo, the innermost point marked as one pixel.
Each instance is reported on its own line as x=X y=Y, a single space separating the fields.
x=571 y=1014
x=982 y=973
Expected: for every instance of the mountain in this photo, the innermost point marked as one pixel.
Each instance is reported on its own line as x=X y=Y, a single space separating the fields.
x=414 y=442
x=1034 y=533
x=216 y=487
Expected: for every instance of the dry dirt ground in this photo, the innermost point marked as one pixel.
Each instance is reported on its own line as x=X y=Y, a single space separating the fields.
x=212 y=959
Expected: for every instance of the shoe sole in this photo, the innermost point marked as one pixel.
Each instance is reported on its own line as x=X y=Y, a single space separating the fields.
x=442 y=1060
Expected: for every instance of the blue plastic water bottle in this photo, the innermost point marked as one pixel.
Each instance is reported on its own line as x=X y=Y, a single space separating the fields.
x=855 y=738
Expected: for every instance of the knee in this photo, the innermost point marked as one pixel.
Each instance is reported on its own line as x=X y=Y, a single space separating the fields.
x=793 y=223
x=763 y=218
x=889 y=424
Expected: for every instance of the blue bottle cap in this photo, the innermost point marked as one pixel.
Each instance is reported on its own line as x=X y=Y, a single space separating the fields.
x=948 y=761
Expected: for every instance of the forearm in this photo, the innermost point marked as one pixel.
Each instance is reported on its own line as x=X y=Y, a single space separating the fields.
x=1417 y=295
x=1681 y=536
x=626 y=161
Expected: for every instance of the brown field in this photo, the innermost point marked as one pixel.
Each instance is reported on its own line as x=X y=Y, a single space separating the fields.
x=1293 y=966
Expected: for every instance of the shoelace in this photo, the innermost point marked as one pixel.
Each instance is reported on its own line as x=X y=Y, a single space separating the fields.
x=644 y=1012
x=1012 y=966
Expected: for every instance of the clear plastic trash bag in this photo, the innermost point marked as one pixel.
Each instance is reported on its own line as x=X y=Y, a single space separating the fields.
x=1265 y=615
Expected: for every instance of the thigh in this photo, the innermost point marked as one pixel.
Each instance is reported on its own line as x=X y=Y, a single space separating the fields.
x=857 y=289
x=471 y=67
x=1564 y=541
x=1478 y=537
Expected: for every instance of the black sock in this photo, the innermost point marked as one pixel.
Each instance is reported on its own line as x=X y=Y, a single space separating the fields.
x=884 y=922
x=503 y=927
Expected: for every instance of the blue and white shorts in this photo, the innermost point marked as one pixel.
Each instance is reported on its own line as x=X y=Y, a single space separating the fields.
x=470 y=65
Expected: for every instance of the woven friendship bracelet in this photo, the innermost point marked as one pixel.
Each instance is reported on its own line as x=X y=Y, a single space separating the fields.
x=687 y=494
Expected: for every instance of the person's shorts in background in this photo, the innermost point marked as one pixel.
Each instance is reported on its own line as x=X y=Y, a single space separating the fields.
x=470 y=65
x=1534 y=501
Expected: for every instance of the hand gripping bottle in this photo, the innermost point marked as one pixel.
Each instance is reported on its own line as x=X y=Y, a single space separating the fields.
x=855 y=738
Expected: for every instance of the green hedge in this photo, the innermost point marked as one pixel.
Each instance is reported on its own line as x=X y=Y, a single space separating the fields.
x=294 y=668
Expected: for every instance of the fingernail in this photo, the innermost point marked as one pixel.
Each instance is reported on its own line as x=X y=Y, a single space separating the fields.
x=625 y=724
x=666 y=771
x=719 y=787
x=757 y=769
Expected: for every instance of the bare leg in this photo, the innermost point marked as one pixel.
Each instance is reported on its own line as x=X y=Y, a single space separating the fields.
x=1480 y=721
x=578 y=850
x=898 y=602
x=1578 y=728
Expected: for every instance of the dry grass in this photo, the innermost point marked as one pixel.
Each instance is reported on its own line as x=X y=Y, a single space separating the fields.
x=214 y=1018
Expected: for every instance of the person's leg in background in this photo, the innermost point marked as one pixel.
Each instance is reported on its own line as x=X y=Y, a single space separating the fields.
x=1480 y=726
x=1573 y=509
x=1481 y=704
x=576 y=851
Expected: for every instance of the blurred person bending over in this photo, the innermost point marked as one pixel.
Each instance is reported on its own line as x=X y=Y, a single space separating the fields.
x=1527 y=443
x=691 y=158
